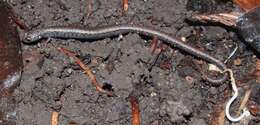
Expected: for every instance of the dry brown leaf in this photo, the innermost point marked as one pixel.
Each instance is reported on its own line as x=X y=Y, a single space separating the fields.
x=247 y=4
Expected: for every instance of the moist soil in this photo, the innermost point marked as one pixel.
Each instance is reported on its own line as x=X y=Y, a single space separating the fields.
x=171 y=93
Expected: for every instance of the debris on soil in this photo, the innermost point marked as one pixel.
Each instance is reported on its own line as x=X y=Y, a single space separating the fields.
x=256 y=73
x=245 y=112
x=249 y=29
x=32 y=58
x=135 y=111
x=10 y=64
x=254 y=103
x=10 y=51
x=54 y=118
x=154 y=44
x=254 y=108
x=87 y=71
x=125 y=5
x=247 y=4
x=161 y=59
x=244 y=101
x=245 y=22
x=173 y=92
x=89 y=7
x=111 y=59
x=228 y=19
x=237 y=62
x=218 y=115
x=202 y=6
x=72 y=123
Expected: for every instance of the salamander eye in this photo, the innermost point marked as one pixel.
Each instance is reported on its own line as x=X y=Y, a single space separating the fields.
x=27 y=38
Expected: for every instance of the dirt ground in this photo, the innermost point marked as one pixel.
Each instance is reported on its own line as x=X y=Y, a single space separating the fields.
x=172 y=93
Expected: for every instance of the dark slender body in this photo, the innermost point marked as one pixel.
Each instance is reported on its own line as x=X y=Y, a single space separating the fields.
x=109 y=31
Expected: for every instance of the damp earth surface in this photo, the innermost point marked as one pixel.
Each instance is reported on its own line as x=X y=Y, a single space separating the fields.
x=172 y=92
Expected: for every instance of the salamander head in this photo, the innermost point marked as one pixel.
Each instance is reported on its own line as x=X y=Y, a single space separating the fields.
x=30 y=37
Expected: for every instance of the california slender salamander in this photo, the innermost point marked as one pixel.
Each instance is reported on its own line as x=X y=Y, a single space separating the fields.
x=109 y=31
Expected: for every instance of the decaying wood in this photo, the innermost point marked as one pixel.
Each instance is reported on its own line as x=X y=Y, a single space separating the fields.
x=10 y=63
x=10 y=51
x=228 y=19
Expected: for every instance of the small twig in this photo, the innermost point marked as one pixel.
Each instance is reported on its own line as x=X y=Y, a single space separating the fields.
x=244 y=101
x=72 y=123
x=21 y=24
x=87 y=71
x=256 y=72
x=135 y=110
x=89 y=8
x=231 y=54
x=18 y=21
x=125 y=5
x=221 y=118
x=54 y=118
x=218 y=116
x=154 y=61
x=154 y=44
x=159 y=51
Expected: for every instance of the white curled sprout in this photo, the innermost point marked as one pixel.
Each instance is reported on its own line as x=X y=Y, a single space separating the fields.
x=234 y=87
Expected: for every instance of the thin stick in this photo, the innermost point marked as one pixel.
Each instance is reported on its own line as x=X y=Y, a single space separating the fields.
x=54 y=118
x=256 y=73
x=135 y=110
x=221 y=118
x=244 y=101
x=87 y=71
x=89 y=8
x=125 y=5
x=154 y=44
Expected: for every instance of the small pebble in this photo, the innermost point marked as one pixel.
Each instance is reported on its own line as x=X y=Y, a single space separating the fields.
x=153 y=94
x=213 y=68
x=183 y=39
x=69 y=70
